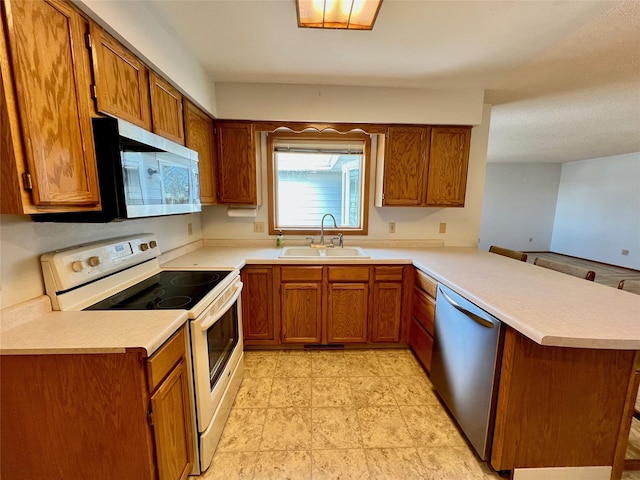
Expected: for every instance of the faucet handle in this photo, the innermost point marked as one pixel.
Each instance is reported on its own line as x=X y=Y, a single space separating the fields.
x=339 y=238
x=312 y=240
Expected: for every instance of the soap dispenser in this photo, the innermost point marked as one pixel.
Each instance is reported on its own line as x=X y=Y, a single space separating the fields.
x=280 y=240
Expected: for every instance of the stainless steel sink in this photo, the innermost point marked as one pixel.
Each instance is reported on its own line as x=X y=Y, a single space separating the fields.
x=337 y=252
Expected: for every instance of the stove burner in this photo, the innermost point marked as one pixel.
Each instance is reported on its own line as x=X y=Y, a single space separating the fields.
x=174 y=302
x=193 y=279
x=143 y=299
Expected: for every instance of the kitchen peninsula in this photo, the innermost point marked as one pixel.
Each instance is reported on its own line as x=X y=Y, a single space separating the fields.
x=570 y=356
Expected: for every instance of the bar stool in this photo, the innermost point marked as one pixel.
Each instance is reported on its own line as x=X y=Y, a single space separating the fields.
x=632 y=286
x=508 y=253
x=574 y=270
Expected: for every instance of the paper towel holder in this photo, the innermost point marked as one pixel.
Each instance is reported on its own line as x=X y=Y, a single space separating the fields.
x=242 y=211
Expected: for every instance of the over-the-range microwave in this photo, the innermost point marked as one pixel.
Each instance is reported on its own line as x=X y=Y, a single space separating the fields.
x=140 y=174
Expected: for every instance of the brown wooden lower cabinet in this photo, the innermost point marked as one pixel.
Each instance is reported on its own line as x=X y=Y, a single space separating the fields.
x=301 y=312
x=301 y=304
x=97 y=416
x=423 y=310
x=421 y=342
x=258 y=326
x=347 y=304
x=558 y=406
x=387 y=307
x=387 y=300
x=332 y=304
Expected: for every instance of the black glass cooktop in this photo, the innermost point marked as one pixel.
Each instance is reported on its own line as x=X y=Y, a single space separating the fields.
x=165 y=290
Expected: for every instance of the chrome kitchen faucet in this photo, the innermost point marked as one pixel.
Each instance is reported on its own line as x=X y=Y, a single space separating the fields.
x=321 y=244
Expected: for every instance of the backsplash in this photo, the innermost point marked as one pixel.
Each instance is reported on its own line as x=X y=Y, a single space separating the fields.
x=23 y=241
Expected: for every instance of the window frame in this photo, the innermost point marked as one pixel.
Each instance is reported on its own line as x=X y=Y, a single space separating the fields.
x=315 y=135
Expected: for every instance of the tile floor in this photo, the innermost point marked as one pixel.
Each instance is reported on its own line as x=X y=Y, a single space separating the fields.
x=364 y=414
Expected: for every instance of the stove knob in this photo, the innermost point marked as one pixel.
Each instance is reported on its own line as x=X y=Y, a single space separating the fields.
x=153 y=244
x=144 y=247
x=77 y=266
x=94 y=261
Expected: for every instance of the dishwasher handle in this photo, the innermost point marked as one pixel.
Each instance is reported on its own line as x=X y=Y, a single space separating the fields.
x=475 y=317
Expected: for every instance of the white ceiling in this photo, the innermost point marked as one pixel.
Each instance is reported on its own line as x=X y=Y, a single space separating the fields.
x=563 y=76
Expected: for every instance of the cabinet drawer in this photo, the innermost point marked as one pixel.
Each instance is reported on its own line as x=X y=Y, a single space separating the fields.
x=424 y=309
x=348 y=274
x=421 y=343
x=426 y=283
x=388 y=274
x=301 y=274
x=160 y=363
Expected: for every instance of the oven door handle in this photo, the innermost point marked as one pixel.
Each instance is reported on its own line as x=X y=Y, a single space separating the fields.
x=222 y=310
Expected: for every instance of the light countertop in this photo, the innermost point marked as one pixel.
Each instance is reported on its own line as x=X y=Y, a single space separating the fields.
x=41 y=330
x=549 y=307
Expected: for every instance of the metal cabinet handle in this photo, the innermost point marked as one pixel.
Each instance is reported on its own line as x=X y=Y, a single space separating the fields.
x=477 y=318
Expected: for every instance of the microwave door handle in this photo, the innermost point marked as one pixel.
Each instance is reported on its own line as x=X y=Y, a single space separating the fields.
x=221 y=311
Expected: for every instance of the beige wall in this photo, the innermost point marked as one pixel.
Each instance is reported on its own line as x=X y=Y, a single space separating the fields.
x=23 y=241
x=323 y=103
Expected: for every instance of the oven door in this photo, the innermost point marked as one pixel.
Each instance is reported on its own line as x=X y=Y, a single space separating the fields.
x=216 y=338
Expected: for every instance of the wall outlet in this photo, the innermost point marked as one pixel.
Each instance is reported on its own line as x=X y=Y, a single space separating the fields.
x=392 y=227
x=443 y=228
x=258 y=227
x=530 y=239
x=189 y=229
x=625 y=252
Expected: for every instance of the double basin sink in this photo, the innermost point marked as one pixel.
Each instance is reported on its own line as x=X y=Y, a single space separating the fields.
x=310 y=252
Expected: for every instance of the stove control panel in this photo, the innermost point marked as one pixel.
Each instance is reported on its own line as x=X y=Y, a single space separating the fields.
x=75 y=266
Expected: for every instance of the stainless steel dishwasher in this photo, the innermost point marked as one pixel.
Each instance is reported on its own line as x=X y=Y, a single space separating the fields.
x=467 y=348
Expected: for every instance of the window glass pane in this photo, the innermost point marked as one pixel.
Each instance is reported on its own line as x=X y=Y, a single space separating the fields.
x=310 y=183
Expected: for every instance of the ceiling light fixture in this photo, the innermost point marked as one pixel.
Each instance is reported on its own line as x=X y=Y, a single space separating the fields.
x=338 y=14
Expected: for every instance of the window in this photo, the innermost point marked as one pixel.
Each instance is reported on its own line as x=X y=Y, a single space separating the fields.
x=311 y=174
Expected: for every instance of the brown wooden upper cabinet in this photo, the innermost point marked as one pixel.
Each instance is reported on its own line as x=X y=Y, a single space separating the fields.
x=405 y=166
x=237 y=167
x=166 y=109
x=423 y=166
x=121 y=80
x=199 y=136
x=448 y=165
x=47 y=156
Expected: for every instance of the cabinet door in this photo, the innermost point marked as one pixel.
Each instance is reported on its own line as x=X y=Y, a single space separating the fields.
x=424 y=309
x=301 y=312
x=199 y=136
x=257 y=306
x=448 y=165
x=166 y=109
x=347 y=312
x=172 y=425
x=49 y=100
x=236 y=163
x=122 y=81
x=405 y=166
x=387 y=307
x=421 y=342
